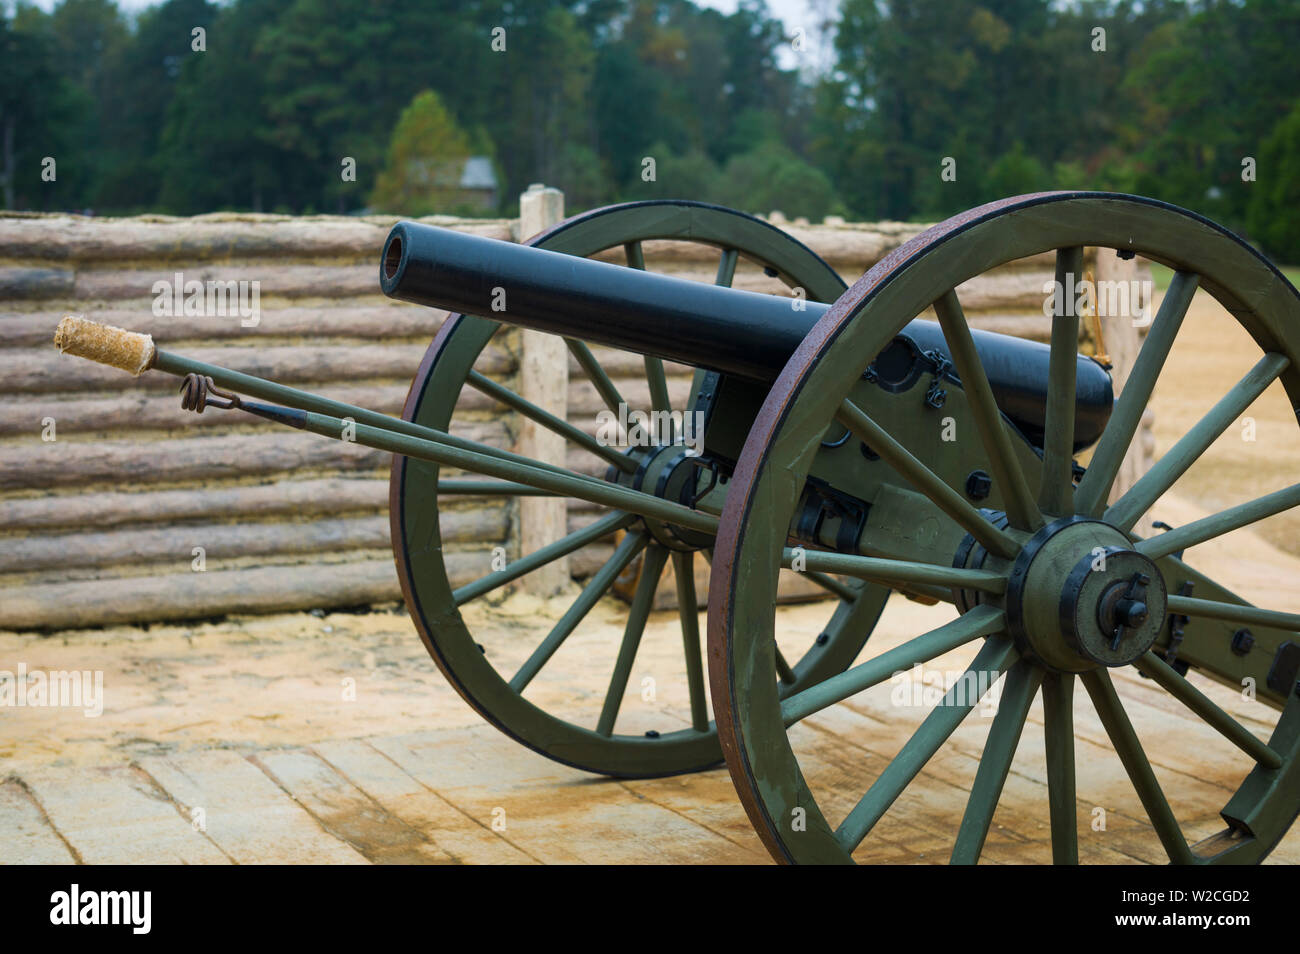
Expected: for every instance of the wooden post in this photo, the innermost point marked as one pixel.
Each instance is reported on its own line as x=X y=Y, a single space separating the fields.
x=543 y=380
x=1123 y=334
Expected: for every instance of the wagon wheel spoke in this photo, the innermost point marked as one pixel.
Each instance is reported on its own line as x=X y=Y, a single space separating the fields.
x=848 y=594
x=652 y=567
x=543 y=555
x=1094 y=488
x=551 y=422
x=595 y=588
x=993 y=659
x=654 y=372
x=784 y=671
x=981 y=621
x=938 y=594
x=1056 y=488
x=925 y=480
x=596 y=374
x=1058 y=734
x=1216 y=525
x=831 y=585
x=727 y=267
x=489 y=488
x=1129 y=749
x=654 y=367
x=1155 y=482
x=688 y=609
x=1022 y=511
x=925 y=591
x=897 y=572
x=634 y=255
x=1004 y=736
x=1181 y=689
x=1232 y=612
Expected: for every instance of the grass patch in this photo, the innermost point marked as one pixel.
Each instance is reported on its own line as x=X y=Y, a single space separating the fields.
x=1160 y=275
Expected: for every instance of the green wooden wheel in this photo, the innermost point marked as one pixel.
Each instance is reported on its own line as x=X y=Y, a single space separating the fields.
x=1028 y=589
x=503 y=696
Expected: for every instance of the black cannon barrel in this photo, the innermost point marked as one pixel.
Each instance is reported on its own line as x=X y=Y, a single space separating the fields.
x=706 y=326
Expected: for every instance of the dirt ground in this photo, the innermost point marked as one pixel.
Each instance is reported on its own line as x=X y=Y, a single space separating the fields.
x=239 y=741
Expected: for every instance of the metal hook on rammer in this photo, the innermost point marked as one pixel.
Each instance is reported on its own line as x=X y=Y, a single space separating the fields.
x=199 y=391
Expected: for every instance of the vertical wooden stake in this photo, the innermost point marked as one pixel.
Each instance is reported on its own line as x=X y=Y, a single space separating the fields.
x=1123 y=334
x=543 y=380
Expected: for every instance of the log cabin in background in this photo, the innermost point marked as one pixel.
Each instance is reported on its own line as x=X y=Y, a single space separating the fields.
x=109 y=521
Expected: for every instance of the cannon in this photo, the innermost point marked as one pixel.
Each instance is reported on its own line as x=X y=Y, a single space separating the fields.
x=850 y=439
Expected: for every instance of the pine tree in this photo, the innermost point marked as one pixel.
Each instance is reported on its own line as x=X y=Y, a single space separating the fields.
x=426 y=157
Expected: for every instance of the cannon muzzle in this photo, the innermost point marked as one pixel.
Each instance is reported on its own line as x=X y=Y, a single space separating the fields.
x=706 y=326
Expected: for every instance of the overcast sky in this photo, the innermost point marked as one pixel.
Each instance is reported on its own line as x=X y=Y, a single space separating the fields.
x=807 y=15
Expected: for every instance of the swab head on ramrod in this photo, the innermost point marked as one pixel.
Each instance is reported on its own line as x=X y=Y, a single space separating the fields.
x=116 y=347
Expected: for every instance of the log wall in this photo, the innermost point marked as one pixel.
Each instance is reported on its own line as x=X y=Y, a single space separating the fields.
x=117 y=506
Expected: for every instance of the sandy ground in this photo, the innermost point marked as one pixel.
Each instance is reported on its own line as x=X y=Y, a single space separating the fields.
x=246 y=725
x=1260 y=453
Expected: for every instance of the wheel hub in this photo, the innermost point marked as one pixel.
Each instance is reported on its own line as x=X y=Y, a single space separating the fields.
x=1079 y=597
x=667 y=471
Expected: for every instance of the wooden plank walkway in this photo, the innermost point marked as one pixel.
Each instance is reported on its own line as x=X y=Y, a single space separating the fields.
x=227 y=743
x=415 y=799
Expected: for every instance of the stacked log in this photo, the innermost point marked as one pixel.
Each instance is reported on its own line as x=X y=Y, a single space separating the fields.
x=117 y=506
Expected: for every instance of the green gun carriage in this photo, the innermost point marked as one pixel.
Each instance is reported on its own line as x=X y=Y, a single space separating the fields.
x=828 y=447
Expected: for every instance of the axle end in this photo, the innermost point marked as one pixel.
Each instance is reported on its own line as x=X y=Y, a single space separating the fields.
x=116 y=347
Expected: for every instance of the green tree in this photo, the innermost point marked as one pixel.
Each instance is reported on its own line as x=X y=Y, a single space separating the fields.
x=1275 y=195
x=542 y=82
x=217 y=150
x=90 y=39
x=921 y=81
x=1209 y=89
x=1016 y=173
x=772 y=178
x=338 y=74
x=580 y=173
x=693 y=80
x=691 y=176
x=426 y=157
x=143 y=83
x=625 y=93
x=286 y=90
x=40 y=111
x=908 y=81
